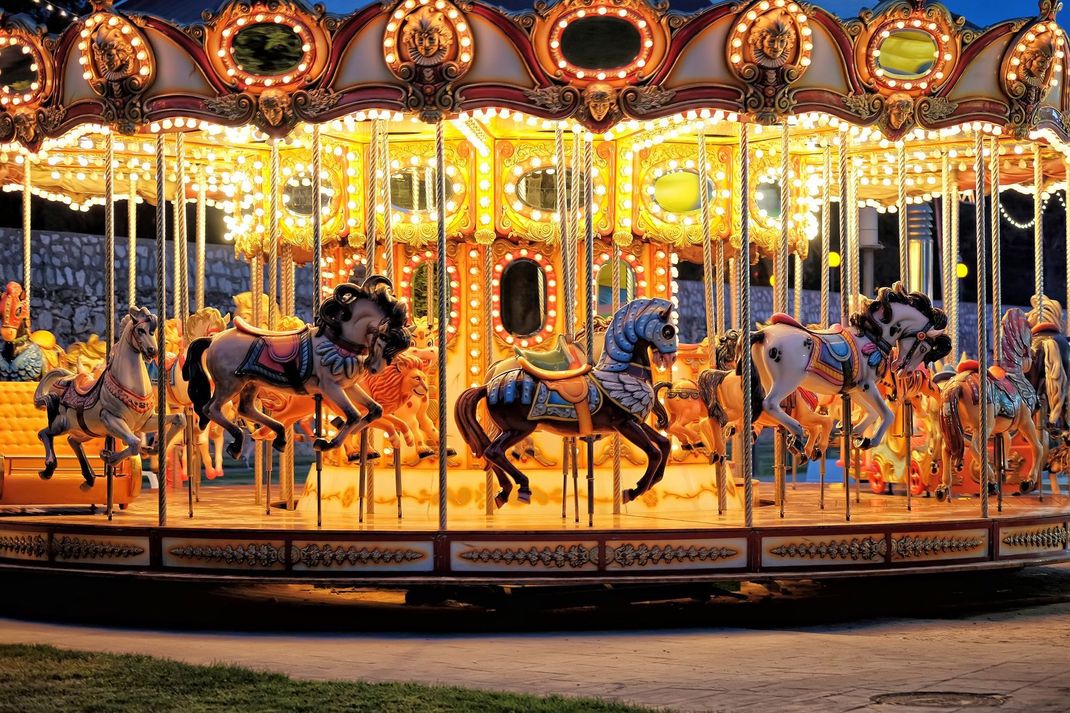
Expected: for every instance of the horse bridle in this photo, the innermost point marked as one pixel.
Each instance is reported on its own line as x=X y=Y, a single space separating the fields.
x=885 y=347
x=357 y=349
x=921 y=336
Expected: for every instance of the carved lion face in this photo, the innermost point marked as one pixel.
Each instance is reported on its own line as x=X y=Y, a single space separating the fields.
x=900 y=110
x=600 y=99
x=427 y=37
x=274 y=105
x=774 y=40
x=112 y=54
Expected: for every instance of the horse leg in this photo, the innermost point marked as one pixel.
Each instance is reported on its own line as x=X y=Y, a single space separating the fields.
x=225 y=389
x=247 y=409
x=58 y=426
x=876 y=409
x=1029 y=430
x=495 y=454
x=639 y=434
x=83 y=461
x=118 y=428
x=341 y=400
x=776 y=393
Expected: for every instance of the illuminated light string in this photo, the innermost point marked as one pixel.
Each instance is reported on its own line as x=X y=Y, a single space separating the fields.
x=1027 y=225
x=54 y=8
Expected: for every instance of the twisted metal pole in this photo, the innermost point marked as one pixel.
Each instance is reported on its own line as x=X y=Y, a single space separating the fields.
x=588 y=291
x=955 y=287
x=707 y=242
x=373 y=194
x=202 y=237
x=616 y=263
x=131 y=237
x=846 y=257
x=27 y=226
x=388 y=210
x=982 y=332
x=443 y=318
x=109 y=293
x=948 y=269
x=161 y=307
x=826 y=276
x=273 y=285
x=997 y=298
x=743 y=281
x=905 y=276
x=1038 y=228
x=317 y=298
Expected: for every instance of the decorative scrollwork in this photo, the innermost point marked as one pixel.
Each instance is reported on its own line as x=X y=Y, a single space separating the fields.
x=864 y=106
x=913 y=546
x=572 y=556
x=643 y=100
x=630 y=555
x=79 y=548
x=1054 y=537
x=934 y=109
x=864 y=549
x=233 y=107
x=23 y=546
x=314 y=103
x=50 y=118
x=1029 y=70
x=326 y=555
x=254 y=554
x=555 y=99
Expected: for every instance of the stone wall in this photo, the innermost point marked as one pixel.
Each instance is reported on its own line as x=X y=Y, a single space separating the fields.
x=68 y=279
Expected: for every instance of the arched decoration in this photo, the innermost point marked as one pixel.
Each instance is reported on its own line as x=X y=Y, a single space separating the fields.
x=633 y=282
x=26 y=79
x=769 y=49
x=416 y=225
x=267 y=45
x=544 y=301
x=765 y=219
x=428 y=46
x=119 y=65
x=1032 y=63
x=420 y=291
x=908 y=49
x=521 y=218
x=669 y=170
x=297 y=200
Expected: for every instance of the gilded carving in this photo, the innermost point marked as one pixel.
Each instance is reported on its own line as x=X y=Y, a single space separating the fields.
x=1029 y=68
x=78 y=548
x=428 y=47
x=119 y=66
x=554 y=98
x=1054 y=537
x=898 y=114
x=934 y=109
x=769 y=50
x=561 y=557
x=600 y=104
x=233 y=107
x=864 y=106
x=34 y=546
x=913 y=546
x=275 y=107
x=314 y=102
x=644 y=100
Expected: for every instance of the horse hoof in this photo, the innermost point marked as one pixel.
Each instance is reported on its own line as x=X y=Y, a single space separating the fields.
x=234 y=450
x=48 y=472
x=279 y=444
x=627 y=496
x=337 y=422
x=687 y=447
x=450 y=452
x=374 y=455
x=863 y=443
x=715 y=458
x=425 y=453
x=816 y=454
x=321 y=444
x=524 y=495
x=500 y=500
x=700 y=446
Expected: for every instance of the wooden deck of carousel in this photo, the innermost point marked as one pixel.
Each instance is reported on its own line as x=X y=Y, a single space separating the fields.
x=230 y=536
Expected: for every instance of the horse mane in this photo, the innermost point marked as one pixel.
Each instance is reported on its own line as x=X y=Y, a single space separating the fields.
x=1016 y=339
x=336 y=309
x=1052 y=312
x=727 y=351
x=897 y=294
x=637 y=313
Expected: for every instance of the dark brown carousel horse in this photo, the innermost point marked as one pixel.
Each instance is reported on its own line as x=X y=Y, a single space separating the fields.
x=560 y=392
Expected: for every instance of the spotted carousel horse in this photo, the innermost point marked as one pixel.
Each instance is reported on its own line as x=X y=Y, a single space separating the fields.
x=21 y=358
x=358 y=330
x=849 y=360
x=1012 y=398
x=121 y=402
x=559 y=391
x=204 y=322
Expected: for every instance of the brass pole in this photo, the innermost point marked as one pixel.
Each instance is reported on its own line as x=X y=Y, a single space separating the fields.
x=161 y=306
x=131 y=233
x=743 y=280
x=273 y=284
x=846 y=257
x=109 y=292
x=27 y=246
x=588 y=224
x=905 y=276
x=443 y=320
x=982 y=332
x=317 y=297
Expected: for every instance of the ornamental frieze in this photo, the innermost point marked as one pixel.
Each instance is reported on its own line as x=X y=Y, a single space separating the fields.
x=253 y=554
x=327 y=555
x=558 y=557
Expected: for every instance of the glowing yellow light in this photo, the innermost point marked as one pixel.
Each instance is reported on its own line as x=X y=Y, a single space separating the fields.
x=962 y=271
x=834 y=259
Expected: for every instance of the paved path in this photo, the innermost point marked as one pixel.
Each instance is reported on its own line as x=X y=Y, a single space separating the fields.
x=1024 y=654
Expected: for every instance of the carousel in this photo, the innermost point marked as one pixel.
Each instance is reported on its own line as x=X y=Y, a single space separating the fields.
x=503 y=374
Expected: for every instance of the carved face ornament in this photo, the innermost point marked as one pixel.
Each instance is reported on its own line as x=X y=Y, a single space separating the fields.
x=600 y=98
x=900 y=110
x=427 y=37
x=25 y=126
x=774 y=40
x=112 y=55
x=274 y=106
x=1036 y=64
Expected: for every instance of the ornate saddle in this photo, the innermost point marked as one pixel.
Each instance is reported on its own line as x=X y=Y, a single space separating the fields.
x=564 y=361
x=280 y=358
x=80 y=391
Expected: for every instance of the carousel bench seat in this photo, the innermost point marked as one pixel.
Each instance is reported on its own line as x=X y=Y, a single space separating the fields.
x=22 y=456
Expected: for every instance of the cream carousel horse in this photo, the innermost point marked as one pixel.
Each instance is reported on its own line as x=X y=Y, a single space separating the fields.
x=202 y=323
x=359 y=329
x=849 y=359
x=121 y=402
x=1011 y=396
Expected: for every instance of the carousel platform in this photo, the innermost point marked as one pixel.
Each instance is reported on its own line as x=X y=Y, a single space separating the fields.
x=230 y=536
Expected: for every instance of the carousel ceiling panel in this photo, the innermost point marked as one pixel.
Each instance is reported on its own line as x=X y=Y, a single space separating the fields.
x=362 y=61
x=977 y=78
x=828 y=66
x=74 y=88
x=498 y=60
x=703 y=56
x=177 y=72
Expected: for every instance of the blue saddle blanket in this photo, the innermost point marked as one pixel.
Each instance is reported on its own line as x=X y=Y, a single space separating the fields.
x=517 y=386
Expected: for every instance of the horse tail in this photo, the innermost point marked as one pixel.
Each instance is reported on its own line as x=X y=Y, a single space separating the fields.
x=1055 y=381
x=951 y=425
x=43 y=396
x=193 y=371
x=465 y=413
x=660 y=414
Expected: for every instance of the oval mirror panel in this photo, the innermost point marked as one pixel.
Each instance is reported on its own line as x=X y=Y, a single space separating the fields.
x=768 y=199
x=267 y=48
x=678 y=191
x=522 y=299
x=626 y=288
x=538 y=188
x=907 y=54
x=413 y=190
x=423 y=292
x=17 y=69
x=297 y=196
x=600 y=42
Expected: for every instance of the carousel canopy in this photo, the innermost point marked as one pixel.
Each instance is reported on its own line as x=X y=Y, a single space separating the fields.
x=516 y=91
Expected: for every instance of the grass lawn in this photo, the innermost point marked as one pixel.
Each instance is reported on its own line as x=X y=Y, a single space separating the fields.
x=34 y=679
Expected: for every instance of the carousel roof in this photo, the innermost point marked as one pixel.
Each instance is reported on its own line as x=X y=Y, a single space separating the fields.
x=644 y=79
